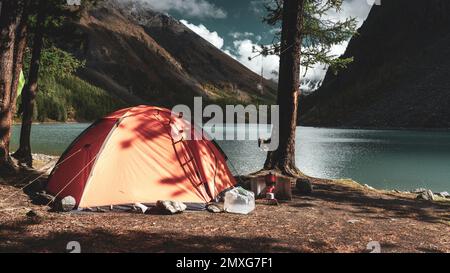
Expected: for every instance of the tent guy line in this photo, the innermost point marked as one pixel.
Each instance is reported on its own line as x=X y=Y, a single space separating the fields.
x=36 y=179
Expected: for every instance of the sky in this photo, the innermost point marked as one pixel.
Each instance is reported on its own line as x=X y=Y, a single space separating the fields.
x=235 y=26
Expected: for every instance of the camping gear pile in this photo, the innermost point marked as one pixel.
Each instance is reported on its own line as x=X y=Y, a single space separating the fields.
x=142 y=155
x=272 y=187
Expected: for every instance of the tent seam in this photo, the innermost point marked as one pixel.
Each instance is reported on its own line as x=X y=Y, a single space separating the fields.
x=115 y=126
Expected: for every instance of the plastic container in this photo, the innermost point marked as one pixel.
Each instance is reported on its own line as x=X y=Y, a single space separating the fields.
x=239 y=201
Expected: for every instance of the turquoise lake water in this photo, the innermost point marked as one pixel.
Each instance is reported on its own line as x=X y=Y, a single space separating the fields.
x=384 y=159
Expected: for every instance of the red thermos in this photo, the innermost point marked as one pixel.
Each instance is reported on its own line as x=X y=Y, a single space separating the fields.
x=270 y=179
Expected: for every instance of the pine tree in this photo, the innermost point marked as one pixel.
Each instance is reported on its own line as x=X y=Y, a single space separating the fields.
x=12 y=43
x=306 y=39
x=51 y=14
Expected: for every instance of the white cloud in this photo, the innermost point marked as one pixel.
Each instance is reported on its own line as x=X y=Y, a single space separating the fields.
x=355 y=8
x=310 y=78
x=210 y=36
x=270 y=64
x=257 y=6
x=244 y=42
x=190 y=8
x=274 y=31
x=244 y=49
x=239 y=35
x=358 y=9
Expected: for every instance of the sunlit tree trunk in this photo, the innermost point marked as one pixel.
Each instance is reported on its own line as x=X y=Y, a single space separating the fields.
x=283 y=158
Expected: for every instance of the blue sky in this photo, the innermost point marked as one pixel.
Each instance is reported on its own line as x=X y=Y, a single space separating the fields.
x=243 y=20
x=235 y=26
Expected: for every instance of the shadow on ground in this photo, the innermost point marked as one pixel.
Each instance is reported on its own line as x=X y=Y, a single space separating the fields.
x=368 y=203
x=100 y=240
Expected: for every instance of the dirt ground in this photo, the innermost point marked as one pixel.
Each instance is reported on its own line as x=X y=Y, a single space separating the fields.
x=340 y=216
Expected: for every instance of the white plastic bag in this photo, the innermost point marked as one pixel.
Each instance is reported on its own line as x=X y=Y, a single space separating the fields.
x=239 y=200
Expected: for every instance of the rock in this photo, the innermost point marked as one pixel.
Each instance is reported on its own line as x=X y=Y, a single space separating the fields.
x=353 y=221
x=444 y=194
x=419 y=190
x=369 y=187
x=32 y=213
x=142 y=207
x=68 y=203
x=170 y=207
x=304 y=186
x=426 y=195
x=34 y=217
x=41 y=198
x=213 y=208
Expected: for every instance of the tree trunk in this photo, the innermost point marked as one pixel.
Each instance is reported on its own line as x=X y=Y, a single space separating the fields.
x=283 y=158
x=23 y=154
x=9 y=21
x=19 y=52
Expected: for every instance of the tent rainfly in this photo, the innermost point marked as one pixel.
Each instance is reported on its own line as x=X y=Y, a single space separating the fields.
x=140 y=155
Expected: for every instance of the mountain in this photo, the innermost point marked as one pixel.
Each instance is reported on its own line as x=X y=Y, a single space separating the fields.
x=145 y=57
x=308 y=86
x=400 y=77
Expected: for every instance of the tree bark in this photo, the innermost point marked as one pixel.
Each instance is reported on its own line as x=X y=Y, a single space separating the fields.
x=283 y=158
x=19 y=51
x=9 y=21
x=23 y=154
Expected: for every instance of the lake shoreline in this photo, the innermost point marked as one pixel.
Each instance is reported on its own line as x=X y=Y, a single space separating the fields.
x=43 y=161
x=412 y=129
x=333 y=218
x=55 y=122
x=383 y=159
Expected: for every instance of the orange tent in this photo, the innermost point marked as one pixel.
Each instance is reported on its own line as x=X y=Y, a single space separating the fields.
x=140 y=155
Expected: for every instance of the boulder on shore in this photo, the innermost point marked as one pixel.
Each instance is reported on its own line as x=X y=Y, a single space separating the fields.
x=426 y=195
x=444 y=194
x=304 y=186
x=419 y=190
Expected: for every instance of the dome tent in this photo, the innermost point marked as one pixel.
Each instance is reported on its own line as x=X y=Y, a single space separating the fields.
x=134 y=156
